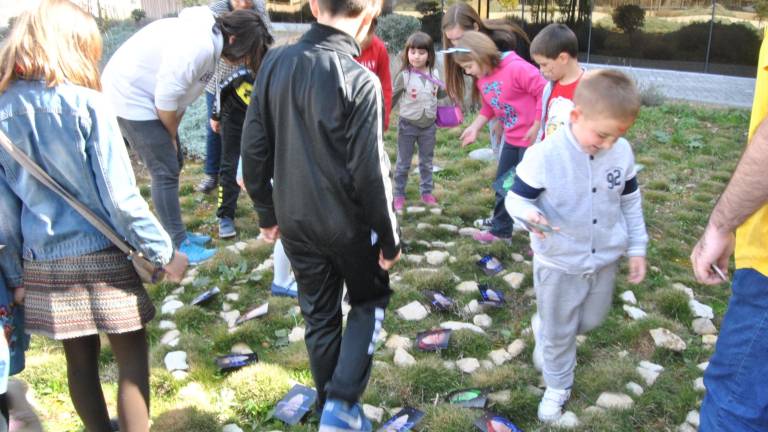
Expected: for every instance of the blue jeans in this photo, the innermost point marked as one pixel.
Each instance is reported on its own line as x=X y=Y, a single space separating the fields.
x=501 y=224
x=737 y=376
x=212 y=141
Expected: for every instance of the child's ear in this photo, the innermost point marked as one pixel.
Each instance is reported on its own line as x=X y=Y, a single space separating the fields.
x=563 y=57
x=576 y=114
x=313 y=7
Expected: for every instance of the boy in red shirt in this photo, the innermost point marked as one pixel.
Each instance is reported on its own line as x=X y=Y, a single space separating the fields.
x=373 y=55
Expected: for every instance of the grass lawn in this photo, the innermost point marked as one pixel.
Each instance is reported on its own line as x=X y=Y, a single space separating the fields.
x=688 y=154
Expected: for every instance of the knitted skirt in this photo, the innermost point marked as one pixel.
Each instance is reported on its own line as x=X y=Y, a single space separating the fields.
x=85 y=295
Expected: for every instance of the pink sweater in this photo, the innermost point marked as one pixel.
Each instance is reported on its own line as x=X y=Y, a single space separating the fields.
x=512 y=93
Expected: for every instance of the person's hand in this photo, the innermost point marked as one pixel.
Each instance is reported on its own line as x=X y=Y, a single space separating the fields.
x=714 y=247
x=215 y=126
x=174 y=270
x=468 y=136
x=386 y=264
x=637 y=268
x=498 y=131
x=538 y=218
x=530 y=136
x=18 y=295
x=240 y=183
x=270 y=234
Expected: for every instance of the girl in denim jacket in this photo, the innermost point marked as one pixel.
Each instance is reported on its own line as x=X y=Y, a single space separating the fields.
x=77 y=283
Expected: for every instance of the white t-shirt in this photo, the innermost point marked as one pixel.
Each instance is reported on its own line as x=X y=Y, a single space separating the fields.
x=163 y=66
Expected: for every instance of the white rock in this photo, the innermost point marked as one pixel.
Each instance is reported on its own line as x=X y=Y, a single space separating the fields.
x=623 y=353
x=483 y=154
x=501 y=396
x=634 y=388
x=178 y=291
x=241 y=245
x=415 y=210
x=373 y=413
x=649 y=376
x=594 y=410
x=468 y=365
x=567 y=421
x=423 y=226
x=171 y=297
x=396 y=341
x=176 y=360
x=188 y=280
x=442 y=244
x=179 y=375
x=232 y=297
x=436 y=211
x=651 y=366
x=449 y=365
x=467 y=286
x=482 y=320
x=666 y=339
x=703 y=366
x=472 y=307
x=685 y=427
x=424 y=243
x=468 y=231
x=536 y=391
x=241 y=348
x=232 y=248
x=296 y=335
x=226 y=307
x=436 y=258
x=448 y=227
x=456 y=325
x=618 y=401
x=680 y=287
x=230 y=317
x=382 y=336
x=709 y=340
x=414 y=258
x=700 y=310
x=693 y=418
x=487 y=364
x=580 y=339
x=171 y=338
x=171 y=307
x=516 y=257
x=514 y=279
x=629 y=297
x=516 y=347
x=698 y=384
x=231 y=428
x=413 y=311
x=703 y=326
x=403 y=359
x=634 y=312
x=499 y=357
x=166 y=325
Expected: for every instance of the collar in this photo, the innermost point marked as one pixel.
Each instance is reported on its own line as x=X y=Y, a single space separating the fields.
x=331 y=38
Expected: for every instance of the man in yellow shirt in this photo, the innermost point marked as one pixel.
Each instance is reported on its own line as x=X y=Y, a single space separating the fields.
x=737 y=375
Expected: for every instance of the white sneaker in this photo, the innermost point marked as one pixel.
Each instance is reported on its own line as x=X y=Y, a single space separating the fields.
x=551 y=405
x=538 y=347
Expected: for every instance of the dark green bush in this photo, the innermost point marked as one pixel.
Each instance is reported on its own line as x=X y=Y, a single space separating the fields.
x=629 y=18
x=394 y=30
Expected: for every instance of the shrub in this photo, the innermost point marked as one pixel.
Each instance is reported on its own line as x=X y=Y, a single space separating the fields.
x=629 y=18
x=652 y=96
x=394 y=30
x=138 y=15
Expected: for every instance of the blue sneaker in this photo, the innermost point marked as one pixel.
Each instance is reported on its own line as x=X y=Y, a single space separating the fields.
x=196 y=253
x=290 y=291
x=339 y=416
x=197 y=238
x=226 y=228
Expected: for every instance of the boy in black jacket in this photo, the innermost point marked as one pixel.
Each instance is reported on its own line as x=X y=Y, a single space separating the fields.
x=315 y=126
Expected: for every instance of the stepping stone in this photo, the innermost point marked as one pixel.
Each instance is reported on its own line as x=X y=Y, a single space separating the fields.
x=176 y=360
x=442 y=244
x=449 y=365
x=413 y=258
x=618 y=401
x=241 y=348
x=171 y=338
x=698 y=384
x=241 y=245
x=634 y=388
x=700 y=310
x=234 y=249
x=403 y=359
x=483 y=154
x=374 y=413
x=264 y=266
x=651 y=366
x=415 y=210
x=649 y=372
x=666 y=339
x=709 y=340
x=296 y=335
x=421 y=226
x=456 y=325
x=232 y=297
x=567 y=421
x=514 y=279
x=449 y=228
x=628 y=297
x=499 y=357
x=468 y=365
x=381 y=336
x=693 y=418
x=501 y=396
x=436 y=211
x=487 y=364
x=413 y=311
x=467 y=287
x=682 y=288
x=436 y=258
x=226 y=307
x=424 y=243
x=231 y=428
x=482 y=320
x=516 y=347
x=685 y=427
x=166 y=325
x=594 y=410
x=516 y=257
x=703 y=326
x=453 y=260
x=472 y=307
x=171 y=307
x=703 y=366
x=580 y=339
x=179 y=375
x=230 y=317
x=396 y=341
x=178 y=291
x=634 y=312
x=468 y=231
x=188 y=280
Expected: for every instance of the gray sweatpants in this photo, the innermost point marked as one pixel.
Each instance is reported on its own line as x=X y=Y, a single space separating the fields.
x=568 y=305
x=407 y=136
x=152 y=143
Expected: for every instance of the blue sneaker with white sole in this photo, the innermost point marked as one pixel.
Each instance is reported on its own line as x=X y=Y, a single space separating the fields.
x=340 y=416
x=197 y=238
x=226 y=228
x=290 y=291
x=196 y=253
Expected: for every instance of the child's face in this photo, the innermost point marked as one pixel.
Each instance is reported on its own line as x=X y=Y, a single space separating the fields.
x=473 y=68
x=417 y=57
x=597 y=134
x=553 y=69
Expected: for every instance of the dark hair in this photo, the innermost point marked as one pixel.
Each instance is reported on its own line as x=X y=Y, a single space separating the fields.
x=252 y=38
x=348 y=8
x=554 y=39
x=419 y=40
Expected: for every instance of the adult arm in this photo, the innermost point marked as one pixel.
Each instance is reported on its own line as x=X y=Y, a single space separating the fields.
x=745 y=193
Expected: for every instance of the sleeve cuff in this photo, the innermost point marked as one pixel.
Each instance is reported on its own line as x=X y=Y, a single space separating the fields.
x=267 y=219
x=390 y=252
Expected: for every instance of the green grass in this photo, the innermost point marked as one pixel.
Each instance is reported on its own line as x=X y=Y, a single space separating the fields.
x=688 y=153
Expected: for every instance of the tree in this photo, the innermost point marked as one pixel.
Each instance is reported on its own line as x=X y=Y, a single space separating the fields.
x=761 y=9
x=629 y=18
x=138 y=15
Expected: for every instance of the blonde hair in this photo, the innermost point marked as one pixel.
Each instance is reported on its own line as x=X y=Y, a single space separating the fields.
x=55 y=42
x=608 y=93
x=481 y=50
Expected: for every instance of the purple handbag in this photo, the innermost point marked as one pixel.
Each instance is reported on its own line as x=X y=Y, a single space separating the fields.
x=448 y=116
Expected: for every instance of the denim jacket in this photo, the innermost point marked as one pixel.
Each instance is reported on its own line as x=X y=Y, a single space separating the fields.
x=10 y=237
x=71 y=132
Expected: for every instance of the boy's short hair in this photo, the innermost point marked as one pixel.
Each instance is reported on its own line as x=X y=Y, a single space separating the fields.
x=553 y=40
x=607 y=93
x=348 y=8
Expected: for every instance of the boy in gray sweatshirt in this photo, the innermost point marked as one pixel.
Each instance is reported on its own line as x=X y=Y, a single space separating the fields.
x=577 y=193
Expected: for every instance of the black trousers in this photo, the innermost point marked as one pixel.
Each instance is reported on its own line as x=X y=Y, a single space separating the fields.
x=341 y=366
x=231 y=132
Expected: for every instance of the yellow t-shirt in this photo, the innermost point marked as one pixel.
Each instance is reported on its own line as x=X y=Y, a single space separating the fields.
x=752 y=235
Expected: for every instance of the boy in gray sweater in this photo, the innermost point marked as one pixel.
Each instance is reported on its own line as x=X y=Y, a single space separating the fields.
x=577 y=193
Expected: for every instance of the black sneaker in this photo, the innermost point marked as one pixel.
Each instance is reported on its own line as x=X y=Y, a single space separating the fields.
x=207 y=184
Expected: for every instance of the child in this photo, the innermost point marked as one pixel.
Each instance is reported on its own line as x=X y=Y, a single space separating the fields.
x=555 y=49
x=373 y=55
x=580 y=186
x=511 y=90
x=315 y=126
x=418 y=111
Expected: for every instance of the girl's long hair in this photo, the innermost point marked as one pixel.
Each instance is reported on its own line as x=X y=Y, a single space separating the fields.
x=419 y=40
x=55 y=42
x=481 y=50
